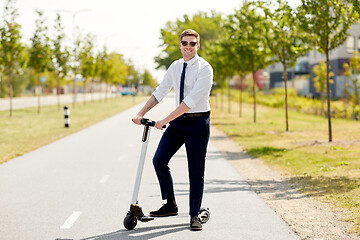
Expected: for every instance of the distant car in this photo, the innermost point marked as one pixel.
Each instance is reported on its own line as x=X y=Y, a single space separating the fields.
x=127 y=91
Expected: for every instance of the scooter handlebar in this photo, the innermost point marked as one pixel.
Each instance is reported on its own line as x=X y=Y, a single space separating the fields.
x=150 y=123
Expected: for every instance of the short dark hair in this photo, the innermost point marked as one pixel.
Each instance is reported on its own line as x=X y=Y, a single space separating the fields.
x=190 y=32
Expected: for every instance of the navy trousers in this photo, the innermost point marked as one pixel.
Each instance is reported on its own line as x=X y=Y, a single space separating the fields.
x=194 y=132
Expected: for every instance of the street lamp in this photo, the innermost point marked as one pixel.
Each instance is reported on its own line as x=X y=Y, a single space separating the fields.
x=73 y=14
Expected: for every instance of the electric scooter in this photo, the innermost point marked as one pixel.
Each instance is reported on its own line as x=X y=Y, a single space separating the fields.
x=135 y=213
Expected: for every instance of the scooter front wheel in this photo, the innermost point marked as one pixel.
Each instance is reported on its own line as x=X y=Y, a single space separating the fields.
x=130 y=221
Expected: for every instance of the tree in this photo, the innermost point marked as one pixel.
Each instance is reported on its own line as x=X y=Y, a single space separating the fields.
x=352 y=71
x=148 y=79
x=40 y=52
x=286 y=40
x=119 y=70
x=327 y=21
x=208 y=26
x=61 y=56
x=247 y=31
x=133 y=77
x=86 y=58
x=11 y=51
x=320 y=81
x=104 y=66
x=356 y=4
x=226 y=63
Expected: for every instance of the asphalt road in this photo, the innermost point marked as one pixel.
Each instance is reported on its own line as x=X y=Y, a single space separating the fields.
x=80 y=187
x=23 y=102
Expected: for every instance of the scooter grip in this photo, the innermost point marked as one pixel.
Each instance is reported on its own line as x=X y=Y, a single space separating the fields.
x=148 y=122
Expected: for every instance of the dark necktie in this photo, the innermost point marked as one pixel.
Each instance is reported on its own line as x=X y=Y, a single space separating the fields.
x=182 y=83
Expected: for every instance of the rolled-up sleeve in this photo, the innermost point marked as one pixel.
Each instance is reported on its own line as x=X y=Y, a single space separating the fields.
x=165 y=86
x=202 y=87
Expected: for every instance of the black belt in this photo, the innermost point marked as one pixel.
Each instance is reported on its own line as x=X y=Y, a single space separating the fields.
x=198 y=114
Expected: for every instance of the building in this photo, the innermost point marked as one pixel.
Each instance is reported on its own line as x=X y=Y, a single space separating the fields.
x=301 y=76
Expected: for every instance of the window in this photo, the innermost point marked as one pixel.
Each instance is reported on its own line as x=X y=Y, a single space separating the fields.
x=350 y=44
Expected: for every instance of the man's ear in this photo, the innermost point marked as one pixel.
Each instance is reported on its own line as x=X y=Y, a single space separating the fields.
x=198 y=46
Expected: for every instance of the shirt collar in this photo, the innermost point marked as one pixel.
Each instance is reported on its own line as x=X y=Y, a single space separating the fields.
x=191 y=61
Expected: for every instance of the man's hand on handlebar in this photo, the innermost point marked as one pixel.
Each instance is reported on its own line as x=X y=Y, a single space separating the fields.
x=137 y=119
x=160 y=124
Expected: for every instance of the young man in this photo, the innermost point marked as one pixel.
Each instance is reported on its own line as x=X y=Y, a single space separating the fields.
x=192 y=78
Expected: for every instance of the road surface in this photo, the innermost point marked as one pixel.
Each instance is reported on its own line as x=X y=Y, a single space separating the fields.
x=80 y=187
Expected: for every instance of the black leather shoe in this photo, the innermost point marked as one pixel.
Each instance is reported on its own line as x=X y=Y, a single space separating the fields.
x=165 y=210
x=195 y=223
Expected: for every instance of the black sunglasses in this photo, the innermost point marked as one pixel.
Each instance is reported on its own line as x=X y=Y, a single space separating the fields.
x=185 y=43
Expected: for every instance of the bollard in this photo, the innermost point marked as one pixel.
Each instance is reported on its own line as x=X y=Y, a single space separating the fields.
x=67 y=116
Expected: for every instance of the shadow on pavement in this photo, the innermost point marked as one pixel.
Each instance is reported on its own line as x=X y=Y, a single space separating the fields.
x=140 y=233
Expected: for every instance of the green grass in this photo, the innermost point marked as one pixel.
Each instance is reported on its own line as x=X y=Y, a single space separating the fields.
x=27 y=130
x=328 y=171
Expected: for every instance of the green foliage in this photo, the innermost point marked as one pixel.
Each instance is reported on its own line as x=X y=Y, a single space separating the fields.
x=12 y=58
x=320 y=77
x=133 y=77
x=285 y=37
x=19 y=83
x=328 y=22
x=148 y=79
x=352 y=72
x=119 y=70
x=86 y=57
x=275 y=99
x=209 y=26
x=247 y=37
x=40 y=52
x=247 y=32
x=11 y=50
x=61 y=53
x=356 y=4
x=103 y=65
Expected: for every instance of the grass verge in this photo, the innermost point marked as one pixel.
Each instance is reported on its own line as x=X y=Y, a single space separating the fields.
x=27 y=130
x=328 y=171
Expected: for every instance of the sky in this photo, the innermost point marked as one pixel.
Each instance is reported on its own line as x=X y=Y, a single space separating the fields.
x=130 y=27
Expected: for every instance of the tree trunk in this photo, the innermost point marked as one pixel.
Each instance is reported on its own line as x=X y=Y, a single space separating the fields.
x=254 y=95
x=222 y=99
x=92 y=89
x=229 y=97
x=322 y=102
x=286 y=97
x=39 y=84
x=58 y=91
x=240 y=103
x=84 y=92
x=328 y=94
x=10 y=92
x=241 y=91
x=74 y=90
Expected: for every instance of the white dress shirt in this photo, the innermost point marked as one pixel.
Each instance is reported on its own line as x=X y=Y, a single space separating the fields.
x=198 y=83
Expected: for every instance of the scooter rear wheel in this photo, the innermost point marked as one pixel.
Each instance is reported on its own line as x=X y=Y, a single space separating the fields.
x=130 y=221
x=204 y=215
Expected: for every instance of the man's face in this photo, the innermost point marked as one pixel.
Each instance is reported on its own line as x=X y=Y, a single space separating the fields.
x=189 y=51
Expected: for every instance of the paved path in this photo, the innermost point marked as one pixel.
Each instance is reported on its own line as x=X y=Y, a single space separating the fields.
x=24 y=102
x=80 y=187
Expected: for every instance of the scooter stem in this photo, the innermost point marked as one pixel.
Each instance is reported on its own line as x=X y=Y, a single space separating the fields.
x=145 y=140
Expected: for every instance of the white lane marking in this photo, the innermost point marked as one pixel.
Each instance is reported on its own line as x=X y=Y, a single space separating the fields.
x=104 y=178
x=71 y=220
